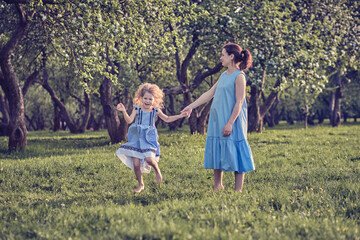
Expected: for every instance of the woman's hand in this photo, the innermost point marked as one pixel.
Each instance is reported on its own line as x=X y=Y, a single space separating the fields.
x=187 y=111
x=227 y=130
x=120 y=107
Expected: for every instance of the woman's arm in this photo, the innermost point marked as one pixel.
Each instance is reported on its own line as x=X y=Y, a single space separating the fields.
x=204 y=98
x=240 y=87
x=129 y=119
x=169 y=118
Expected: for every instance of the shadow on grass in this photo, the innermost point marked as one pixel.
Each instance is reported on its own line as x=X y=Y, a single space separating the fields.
x=47 y=147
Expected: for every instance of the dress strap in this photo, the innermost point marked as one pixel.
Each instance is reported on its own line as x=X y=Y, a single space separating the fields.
x=138 y=114
x=152 y=116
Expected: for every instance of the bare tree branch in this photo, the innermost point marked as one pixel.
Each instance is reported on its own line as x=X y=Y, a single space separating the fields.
x=197 y=81
x=29 y=81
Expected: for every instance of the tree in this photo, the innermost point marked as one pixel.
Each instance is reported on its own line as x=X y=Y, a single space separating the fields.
x=344 y=46
x=95 y=37
x=16 y=128
x=196 y=40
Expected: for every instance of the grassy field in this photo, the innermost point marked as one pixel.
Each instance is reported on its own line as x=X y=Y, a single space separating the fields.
x=306 y=186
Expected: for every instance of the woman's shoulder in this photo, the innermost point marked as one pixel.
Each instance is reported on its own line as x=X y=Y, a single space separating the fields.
x=239 y=73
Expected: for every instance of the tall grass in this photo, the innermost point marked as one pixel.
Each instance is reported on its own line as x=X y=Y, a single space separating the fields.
x=305 y=186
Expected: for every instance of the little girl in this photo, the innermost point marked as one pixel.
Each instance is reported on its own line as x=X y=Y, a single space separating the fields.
x=142 y=150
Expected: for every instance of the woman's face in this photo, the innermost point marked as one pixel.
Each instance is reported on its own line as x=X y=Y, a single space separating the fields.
x=148 y=101
x=226 y=59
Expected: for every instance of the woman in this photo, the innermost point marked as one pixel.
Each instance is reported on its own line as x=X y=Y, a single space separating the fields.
x=227 y=148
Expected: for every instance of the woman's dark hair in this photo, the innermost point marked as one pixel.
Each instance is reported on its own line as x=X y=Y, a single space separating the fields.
x=242 y=56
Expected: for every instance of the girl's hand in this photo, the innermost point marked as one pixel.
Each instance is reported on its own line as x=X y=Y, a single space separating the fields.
x=227 y=130
x=187 y=111
x=120 y=107
x=183 y=114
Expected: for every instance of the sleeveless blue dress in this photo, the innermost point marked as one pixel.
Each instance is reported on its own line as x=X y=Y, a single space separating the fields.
x=142 y=140
x=231 y=153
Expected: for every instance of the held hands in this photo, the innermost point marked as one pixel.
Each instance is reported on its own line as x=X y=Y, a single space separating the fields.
x=227 y=130
x=182 y=114
x=186 y=111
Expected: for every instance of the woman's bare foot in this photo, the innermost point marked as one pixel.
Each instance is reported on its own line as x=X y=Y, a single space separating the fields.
x=139 y=189
x=218 y=187
x=158 y=177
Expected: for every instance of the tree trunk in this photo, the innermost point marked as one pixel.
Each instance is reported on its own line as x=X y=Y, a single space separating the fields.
x=273 y=114
x=202 y=118
x=123 y=129
x=57 y=118
x=173 y=126
x=30 y=122
x=73 y=127
x=186 y=88
x=29 y=81
x=331 y=107
x=257 y=112
x=111 y=116
x=17 y=131
x=306 y=115
x=5 y=116
x=289 y=118
x=193 y=116
x=95 y=124
x=254 y=120
x=86 y=115
x=345 y=116
x=336 y=114
x=321 y=116
x=16 y=128
x=69 y=122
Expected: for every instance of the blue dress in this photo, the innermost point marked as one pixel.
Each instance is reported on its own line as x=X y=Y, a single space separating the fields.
x=231 y=153
x=142 y=140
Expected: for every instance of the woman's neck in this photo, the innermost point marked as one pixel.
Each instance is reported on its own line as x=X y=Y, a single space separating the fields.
x=232 y=69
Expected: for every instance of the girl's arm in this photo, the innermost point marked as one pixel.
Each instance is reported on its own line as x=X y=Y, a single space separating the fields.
x=204 y=98
x=240 y=86
x=129 y=119
x=169 y=118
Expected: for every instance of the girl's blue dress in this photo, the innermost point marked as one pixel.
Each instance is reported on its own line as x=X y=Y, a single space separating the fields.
x=231 y=153
x=142 y=140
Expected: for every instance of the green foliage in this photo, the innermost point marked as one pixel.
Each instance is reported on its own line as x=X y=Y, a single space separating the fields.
x=351 y=98
x=38 y=106
x=305 y=186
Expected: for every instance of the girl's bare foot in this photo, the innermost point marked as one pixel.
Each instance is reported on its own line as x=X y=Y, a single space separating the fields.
x=158 y=177
x=139 y=189
x=219 y=187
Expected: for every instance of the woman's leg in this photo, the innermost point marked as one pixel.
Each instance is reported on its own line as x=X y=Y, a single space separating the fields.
x=138 y=175
x=239 y=181
x=154 y=164
x=218 y=174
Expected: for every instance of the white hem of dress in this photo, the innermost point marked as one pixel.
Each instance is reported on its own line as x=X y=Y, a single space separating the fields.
x=126 y=155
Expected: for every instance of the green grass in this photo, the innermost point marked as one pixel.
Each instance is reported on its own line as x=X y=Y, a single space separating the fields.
x=305 y=186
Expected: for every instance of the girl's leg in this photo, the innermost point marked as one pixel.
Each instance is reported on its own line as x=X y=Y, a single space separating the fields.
x=239 y=181
x=154 y=164
x=218 y=174
x=138 y=175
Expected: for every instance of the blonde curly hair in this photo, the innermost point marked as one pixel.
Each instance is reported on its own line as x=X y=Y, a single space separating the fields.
x=154 y=90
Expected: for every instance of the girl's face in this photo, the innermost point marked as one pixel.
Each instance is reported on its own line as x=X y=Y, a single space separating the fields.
x=226 y=59
x=147 y=101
